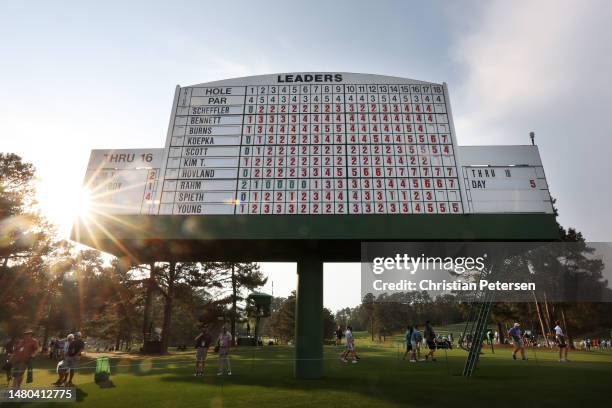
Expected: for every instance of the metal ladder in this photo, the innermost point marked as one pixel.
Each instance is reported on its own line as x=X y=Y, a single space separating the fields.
x=478 y=329
x=476 y=326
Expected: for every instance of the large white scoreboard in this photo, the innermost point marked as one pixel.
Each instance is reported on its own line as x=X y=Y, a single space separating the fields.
x=311 y=143
x=317 y=143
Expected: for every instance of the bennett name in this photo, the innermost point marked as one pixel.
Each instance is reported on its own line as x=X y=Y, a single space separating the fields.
x=309 y=78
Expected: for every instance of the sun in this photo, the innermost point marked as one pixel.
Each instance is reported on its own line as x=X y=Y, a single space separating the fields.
x=64 y=207
x=82 y=204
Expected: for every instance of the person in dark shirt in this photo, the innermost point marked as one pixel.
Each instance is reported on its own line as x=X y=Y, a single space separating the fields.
x=430 y=338
x=9 y=346
x=75 y=348
x=339 y=335
x=202 y=343
x=407 y=337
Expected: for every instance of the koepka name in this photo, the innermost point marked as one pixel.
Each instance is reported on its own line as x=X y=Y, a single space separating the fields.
x=309 y=78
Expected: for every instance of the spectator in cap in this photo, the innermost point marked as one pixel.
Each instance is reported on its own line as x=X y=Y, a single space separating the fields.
x=517 y=335
x=25 y=350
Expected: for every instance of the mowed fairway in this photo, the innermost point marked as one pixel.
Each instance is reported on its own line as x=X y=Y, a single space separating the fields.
x=264 y=378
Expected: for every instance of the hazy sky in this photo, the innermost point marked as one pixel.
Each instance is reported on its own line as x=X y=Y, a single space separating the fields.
x=80 y=75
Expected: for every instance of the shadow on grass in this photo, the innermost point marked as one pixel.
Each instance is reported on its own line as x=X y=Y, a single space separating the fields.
x=382 y=375
x=387 y=378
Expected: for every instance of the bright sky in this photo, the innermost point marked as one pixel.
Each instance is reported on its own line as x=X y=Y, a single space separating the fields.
x=80 y=75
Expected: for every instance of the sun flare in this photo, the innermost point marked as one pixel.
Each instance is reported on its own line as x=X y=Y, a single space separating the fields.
x=64 y=208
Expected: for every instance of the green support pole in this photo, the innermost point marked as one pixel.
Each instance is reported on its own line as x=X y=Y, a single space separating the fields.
x=309 y=319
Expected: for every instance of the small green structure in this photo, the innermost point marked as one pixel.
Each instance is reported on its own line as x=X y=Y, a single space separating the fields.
x=103 y=370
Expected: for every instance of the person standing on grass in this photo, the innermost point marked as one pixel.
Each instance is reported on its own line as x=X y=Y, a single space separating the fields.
x=407 y=337
x=561 y=342
x=339 y=335
x=224 y=341
x=25 y=350
x=202 y=343
x=516 y=335
x=73 y=354
x=415 y=341
x=349 y=346
x=63 y=366
x=430 y=338
x=9 y=347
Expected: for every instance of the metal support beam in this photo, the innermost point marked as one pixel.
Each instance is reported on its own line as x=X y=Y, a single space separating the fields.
x=309 y=319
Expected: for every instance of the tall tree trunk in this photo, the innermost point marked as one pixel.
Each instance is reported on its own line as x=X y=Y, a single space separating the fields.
x=169 y=299
x=540 y=318
x=150 y=287
x=118 y=341
x=500 y=330
x=45 y=338
x=569 y=339
x=548 y=320
x=234 y=312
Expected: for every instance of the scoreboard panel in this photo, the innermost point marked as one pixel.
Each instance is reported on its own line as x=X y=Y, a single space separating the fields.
x=301 y=144
x=504 y=179
x=123 y=181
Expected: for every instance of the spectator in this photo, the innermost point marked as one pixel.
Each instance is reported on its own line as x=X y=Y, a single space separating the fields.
x=561 y=342
x=415 y=342
x=430 y=338
x=224 y=341
x=202 y=343
x=9 y=347
x=25 y=350
x=73 y=353
x=339 y=335
x=516 y=335
x=349 y=347
x=63 y=368
x=407 y=337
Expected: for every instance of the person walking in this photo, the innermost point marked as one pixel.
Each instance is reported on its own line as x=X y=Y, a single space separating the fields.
x=339 y=335
x=407 y=337
x=516 y=335
x=202 y=343
x=349 y=346
x=9 y=348
x=63 y=368
x=73 y=354
x=430 y=339
x=25 y=350
x=415 y=341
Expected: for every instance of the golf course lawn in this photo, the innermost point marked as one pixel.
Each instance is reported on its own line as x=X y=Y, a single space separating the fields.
x=264 y=378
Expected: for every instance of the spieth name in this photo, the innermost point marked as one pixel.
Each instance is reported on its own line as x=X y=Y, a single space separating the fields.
x=407 y=285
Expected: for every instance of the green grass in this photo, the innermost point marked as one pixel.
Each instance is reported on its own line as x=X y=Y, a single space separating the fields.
x=264 y=378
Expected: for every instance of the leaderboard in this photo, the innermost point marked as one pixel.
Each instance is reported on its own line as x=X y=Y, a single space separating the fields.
x=311 y=143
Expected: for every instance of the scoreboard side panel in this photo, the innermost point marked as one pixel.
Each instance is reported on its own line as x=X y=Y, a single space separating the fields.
x=162 y=176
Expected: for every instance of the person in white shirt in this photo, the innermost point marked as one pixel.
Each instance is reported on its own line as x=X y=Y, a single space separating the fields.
x=349 y=346
x=561 y=342
x=63 y=368
x=224 y=342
